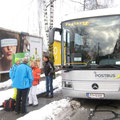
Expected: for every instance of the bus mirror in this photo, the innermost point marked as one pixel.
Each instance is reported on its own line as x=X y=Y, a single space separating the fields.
x=52 y=33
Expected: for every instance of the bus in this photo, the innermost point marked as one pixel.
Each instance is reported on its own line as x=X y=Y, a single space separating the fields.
x=91 y=68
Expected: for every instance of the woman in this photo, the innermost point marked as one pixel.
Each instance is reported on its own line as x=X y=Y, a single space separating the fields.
x=33 y=90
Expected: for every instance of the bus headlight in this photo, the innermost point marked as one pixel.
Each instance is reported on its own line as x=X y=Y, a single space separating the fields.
x=67 y=84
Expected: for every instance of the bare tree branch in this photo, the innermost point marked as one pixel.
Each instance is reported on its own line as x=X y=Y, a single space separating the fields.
x=77 y=2
x=50 y=3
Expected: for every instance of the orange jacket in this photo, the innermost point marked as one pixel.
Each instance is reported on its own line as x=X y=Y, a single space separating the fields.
x=36 y=75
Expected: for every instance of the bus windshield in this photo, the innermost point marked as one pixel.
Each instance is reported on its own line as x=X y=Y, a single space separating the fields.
x=92 y=41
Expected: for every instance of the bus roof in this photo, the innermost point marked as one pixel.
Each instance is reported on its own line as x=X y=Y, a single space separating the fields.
x=92 y=13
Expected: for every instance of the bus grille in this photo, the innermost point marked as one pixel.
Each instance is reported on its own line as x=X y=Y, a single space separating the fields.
x=102 y=86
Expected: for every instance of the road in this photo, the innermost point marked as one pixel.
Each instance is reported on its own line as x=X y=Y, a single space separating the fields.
x=89 y=110
x=42 y=102
x=98 y=110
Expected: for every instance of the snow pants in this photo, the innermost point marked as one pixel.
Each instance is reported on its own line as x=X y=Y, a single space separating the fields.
x=33 y=95
x=15 y=94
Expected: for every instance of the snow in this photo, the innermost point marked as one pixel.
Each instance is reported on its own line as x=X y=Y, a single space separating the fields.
x=56 y=110
x=8 y=83
x=48 y=112
x=58 y=72
x=6 y=94
x=41 y=88
x=57 y=83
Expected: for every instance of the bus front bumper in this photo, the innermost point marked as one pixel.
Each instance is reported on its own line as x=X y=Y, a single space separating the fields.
x=91 y=94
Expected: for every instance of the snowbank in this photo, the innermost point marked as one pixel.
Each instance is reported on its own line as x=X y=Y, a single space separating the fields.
x=6 y=84
x=48 y=112
x=4 y=95
x=57 y=83
x=58 y=72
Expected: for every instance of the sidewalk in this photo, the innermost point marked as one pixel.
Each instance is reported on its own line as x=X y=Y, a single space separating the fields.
x=42 y=102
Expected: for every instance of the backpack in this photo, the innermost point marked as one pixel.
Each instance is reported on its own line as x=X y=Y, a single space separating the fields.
x=9 y=105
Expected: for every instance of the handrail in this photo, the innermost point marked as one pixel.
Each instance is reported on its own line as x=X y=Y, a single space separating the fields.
x=77 y=63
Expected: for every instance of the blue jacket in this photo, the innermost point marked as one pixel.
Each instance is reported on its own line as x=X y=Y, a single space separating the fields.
x=23 y=77
x=12 y=72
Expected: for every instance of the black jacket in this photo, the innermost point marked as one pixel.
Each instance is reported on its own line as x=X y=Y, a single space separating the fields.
x=48 y=68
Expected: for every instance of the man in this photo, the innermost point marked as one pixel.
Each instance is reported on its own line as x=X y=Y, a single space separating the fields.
x=23 y=81
x=49 y=70
x=12 y=75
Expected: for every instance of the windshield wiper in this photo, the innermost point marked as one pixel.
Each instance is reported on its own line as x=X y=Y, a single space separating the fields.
x=75 y=67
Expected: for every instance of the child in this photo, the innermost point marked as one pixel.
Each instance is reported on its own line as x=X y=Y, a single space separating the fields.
x=36 y=76
x=12 y=75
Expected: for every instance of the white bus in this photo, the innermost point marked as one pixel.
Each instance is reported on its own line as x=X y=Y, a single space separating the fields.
x=91 y=59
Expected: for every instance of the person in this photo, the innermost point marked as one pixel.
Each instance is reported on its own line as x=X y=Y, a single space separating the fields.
x=23 y=81
x=8 y=47
x=49 y=70
x=33 y=90
x=12 y=75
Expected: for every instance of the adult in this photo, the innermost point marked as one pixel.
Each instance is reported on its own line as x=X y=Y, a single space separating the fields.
x=23 y=81
x=12 y=75
x=33 y=90
x=49 y=70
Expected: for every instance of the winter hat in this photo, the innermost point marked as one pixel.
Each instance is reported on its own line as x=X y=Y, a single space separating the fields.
x=17 y=59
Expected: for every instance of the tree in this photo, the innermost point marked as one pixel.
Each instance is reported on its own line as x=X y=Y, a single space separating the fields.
x=94 y=4
x=40 y=15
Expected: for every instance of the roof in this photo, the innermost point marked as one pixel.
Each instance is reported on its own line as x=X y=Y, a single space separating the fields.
x=92 y=13
x=12 y=31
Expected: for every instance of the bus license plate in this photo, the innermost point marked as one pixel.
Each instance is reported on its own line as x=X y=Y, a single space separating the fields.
x=95 y=95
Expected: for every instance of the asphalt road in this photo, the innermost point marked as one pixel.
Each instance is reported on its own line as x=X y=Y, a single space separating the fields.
x=98 y=110
x=89 y=110
x=42 y=102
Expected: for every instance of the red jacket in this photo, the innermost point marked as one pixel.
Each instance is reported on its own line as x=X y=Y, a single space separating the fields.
x=36 y=75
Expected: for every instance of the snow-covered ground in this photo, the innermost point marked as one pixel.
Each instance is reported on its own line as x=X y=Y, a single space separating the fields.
x=56 y=110
x=63 y=109
x=58 y=72
x=53 y=108
x=41 y=87
x=4 y=95
x=48 y=112
x=8 y=83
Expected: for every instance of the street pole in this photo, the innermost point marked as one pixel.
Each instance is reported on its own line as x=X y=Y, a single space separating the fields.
x=50 y=27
